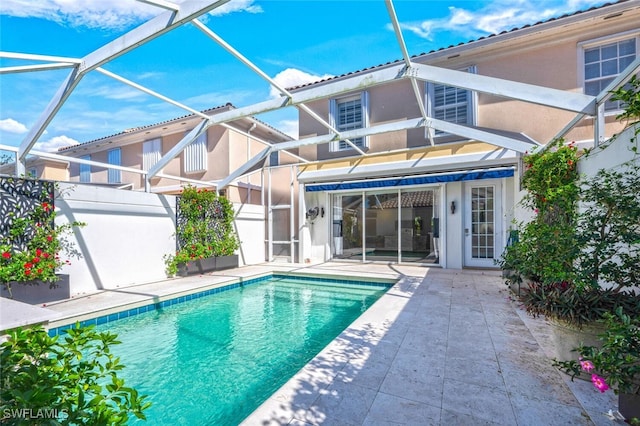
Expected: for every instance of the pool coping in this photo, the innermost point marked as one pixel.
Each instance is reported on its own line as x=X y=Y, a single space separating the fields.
x=121 y=311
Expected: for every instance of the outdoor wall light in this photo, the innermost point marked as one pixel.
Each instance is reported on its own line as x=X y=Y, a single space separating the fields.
x=453 y=207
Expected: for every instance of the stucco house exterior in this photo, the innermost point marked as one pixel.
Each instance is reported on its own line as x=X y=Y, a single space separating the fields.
x=211 y=157
x=430 y=168
x=439 y=195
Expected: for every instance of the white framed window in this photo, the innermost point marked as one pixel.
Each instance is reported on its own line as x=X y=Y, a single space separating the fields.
x=603 y=60
x=151 y=153
x=195 y=155
x=274 y=158
x=114 y=158
x=452 y=104
x=349 y=113
x=85 y=170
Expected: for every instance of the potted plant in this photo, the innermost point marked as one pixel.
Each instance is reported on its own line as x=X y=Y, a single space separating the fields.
x=32 y=246
x=205 y=237
x=615 y=363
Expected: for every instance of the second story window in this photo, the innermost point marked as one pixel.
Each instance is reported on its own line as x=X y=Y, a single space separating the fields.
x=195 y=155
x=113 y=158
x=85 y=170
x=151 y=153
x=274 y=158
x=349 y=113
x=451 y=104
x=603 y=63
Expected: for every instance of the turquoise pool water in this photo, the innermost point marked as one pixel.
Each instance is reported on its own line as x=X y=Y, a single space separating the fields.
x=214 y=360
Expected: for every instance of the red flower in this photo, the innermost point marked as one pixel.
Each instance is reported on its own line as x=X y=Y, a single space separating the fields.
x=36 y=260
x=46 y=206
x=38 y=252
x=49 y=238
x=28 y=265
x=27 y=272
x=39 y=270
x=6 y=255
x=45 y=255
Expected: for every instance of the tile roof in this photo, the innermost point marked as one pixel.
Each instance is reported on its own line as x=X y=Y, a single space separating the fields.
x=566 y=15
x=135 y=129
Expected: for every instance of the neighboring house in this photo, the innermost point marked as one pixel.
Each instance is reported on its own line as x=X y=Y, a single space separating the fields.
x=211 y=157
x=427 y=196
x=40 y=168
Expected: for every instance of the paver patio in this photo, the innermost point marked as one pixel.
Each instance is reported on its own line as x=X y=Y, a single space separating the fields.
x=442 y=347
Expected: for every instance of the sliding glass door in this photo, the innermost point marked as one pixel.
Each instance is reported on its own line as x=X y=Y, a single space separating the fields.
x=391 y=225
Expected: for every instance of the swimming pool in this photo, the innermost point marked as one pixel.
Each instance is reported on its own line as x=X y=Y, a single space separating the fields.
x=214 y=360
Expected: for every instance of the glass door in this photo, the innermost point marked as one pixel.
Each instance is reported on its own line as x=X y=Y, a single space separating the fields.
x=347 y=226
x=381 y=226
x=482 y=225
x=419 y=218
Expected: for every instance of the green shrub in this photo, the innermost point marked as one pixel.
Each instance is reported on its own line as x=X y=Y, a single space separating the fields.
x=72 y=378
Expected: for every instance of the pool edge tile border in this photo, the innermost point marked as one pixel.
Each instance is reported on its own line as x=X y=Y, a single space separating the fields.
x=126 y=310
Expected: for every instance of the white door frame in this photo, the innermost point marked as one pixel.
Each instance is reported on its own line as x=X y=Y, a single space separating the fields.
x=476 y=258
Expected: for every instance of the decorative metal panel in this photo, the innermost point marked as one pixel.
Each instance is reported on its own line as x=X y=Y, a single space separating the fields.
x=18 y=199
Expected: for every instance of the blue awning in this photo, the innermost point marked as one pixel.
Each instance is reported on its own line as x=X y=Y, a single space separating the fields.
x=412 y=180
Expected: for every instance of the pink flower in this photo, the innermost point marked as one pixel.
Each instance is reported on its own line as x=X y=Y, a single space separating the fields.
x=586 y=365
x=599 y=383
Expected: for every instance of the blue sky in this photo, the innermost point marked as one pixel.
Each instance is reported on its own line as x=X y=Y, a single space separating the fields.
x=292 y=41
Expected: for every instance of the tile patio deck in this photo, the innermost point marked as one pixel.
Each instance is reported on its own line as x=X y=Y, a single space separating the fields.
x=442 y=347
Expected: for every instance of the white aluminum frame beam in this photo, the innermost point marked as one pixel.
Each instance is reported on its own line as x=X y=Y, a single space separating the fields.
x=39 y=67
x=603 y=97
x=472 y=133
x=151 y=92
x=34 y=57
x=178 y=148
x=226 y=46
x=161 y=24
x=407 y=60
x=244 y=168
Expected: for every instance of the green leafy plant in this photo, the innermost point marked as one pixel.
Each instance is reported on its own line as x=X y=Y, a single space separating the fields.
x=546 y=249
x=204 y=228
x=33 y=246
x=629 y=94
x=567 y=254
x=73 y=378
x=608 y=230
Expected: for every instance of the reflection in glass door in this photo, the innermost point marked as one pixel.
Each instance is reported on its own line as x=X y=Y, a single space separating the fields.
x=381 y=226
x=419 y=219
x=376 y=226
x=347 y=226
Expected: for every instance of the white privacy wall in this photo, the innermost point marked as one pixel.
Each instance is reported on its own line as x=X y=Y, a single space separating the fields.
x=128 y=233
x=612 y=156
x=126 y=236
x=249 y=225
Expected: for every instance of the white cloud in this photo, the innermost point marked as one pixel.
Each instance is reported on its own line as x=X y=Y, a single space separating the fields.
x=495 y=17
x=54 y=143
x=112 y=14
x=289 y=127
x=12 y=126
x=292 y=77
